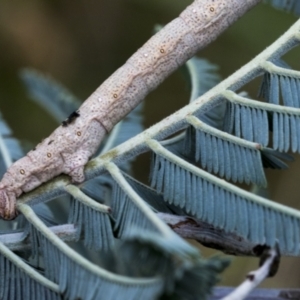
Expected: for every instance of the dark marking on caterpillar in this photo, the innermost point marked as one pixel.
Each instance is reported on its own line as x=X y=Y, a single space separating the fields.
x=49 y=143
x=251 y=277
x=71 y=118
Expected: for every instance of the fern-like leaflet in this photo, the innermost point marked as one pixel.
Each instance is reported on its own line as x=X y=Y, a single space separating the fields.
x=183 y=185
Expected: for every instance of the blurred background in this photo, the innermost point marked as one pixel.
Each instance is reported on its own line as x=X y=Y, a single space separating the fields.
x=80 y=43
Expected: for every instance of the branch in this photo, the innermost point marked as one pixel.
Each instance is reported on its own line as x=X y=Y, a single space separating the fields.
x=16 y=242
x=209 y=236
x=186 y=227
x=259 y=294
x=269 y=266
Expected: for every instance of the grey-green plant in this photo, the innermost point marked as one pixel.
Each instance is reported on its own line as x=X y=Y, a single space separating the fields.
x=113 y=245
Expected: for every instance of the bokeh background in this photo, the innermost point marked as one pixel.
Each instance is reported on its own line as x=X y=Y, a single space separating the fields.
x=80 y=43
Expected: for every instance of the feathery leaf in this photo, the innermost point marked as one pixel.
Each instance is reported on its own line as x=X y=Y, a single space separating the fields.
x=18 y=281
x=79 y=278
x=10 y=149
x=230 y=157
x=91 y=219
x=152 y=255
x=223 y=205
x=287 y=5
x=279 y=81
x=252 y=120
x=154 y=199
x=203 y=76
x=139 y=215
x=130 y=126
x=95 y=226
x=126 y=214
x=49 y=94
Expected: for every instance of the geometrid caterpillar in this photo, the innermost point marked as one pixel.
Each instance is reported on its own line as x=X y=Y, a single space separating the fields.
x=71 y=145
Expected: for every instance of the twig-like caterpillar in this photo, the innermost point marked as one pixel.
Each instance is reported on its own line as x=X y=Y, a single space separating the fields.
x=70 y=146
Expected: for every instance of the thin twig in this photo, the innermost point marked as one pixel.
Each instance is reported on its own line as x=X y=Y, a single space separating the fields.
x=209 y=236
x=259 y=294
x=269 y=266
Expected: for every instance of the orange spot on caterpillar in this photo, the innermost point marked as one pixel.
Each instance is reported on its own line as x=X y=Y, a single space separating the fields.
x=162 y=50
x=115 y=95
x=49 y=154
x=211 y=9
x=22 y=172
x=78 y=133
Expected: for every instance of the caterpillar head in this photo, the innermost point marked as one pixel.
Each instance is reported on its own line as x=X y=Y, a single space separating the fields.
x=7 y=205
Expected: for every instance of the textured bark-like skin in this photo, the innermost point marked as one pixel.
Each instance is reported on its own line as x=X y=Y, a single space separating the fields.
x=69 y=148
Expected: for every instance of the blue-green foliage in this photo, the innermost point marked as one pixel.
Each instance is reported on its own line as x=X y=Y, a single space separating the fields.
x=18 y=285
x=127 y=128
x=253 y=124
x=10 y=147
x=224 y=157
x=76 y=281
x=288 y=5
x=225 y=208
x=275 y=85
x=246 y=122
x=126 y=214
x=131 y=125
x=153 y=257
x=286 y=132
x=152 y=197
x=203 y=76
x=98 y=188
x=283 y=89
x=145 y=251
x=49 y=94
x=197 y=280
x=94 y=226
x=183 y=281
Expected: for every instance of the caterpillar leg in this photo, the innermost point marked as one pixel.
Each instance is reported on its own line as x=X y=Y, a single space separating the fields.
x=7 y=205
x=77 y=175
x=74 y=165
